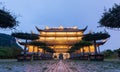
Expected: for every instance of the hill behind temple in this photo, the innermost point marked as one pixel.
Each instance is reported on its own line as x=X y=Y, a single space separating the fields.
x=8 y=46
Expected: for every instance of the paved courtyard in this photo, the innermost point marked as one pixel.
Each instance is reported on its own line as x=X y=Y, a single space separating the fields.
x=60 y=66
x=92 y=66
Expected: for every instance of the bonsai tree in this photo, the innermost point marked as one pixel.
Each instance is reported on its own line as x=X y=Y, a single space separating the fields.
x=41 y=45
x=26 y=37
x=82 y=44
x=72 y=50
x=38 y=44
x=48 y=49
x=7 y=20
x=79 y=45
x=85 y=43
x=94 y=37
x=74 y=47
x=111 y=17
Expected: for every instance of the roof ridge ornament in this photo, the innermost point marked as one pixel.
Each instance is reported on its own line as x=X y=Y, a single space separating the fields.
x=61 y=27
x=47 y=28
x=75 y=27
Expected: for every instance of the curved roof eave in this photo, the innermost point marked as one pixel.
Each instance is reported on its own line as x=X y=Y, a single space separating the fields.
x=38 y=29
x=63 y=30
x=85 y=28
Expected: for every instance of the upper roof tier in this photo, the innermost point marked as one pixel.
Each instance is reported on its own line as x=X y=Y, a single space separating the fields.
x=61 y=29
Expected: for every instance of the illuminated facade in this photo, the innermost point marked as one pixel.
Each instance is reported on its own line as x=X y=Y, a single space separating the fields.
x=61 y=39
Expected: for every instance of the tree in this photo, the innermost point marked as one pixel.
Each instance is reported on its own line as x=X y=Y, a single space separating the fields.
x=79 y=45
x=111 y=17
x=7 y=20
x=41 y=45
x=48 y=49
x=26 y=36
x=108 y=53
x=38 y=44
x=9 y=52
x=117 y=52
x=94 y=37
x=82 y=44
x=74 y=47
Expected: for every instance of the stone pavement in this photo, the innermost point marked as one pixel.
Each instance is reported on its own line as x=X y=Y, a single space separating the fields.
x=59 y=67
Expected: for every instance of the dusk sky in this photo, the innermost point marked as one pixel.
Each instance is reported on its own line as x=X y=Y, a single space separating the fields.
x=66 y=13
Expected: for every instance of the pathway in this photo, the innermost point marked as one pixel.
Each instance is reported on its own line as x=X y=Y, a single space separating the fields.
x=59 y=67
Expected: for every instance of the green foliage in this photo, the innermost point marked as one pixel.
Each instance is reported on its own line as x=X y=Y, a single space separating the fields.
x=6 y=52
x=9 y=52
x=95 y=36
x=79 y=45
x=26 y=36
x=37 y=43
x=41 y=45
x=111 y=17
x=7 y=20
x=84 y=43
x=117 y=50
x=8 y=46
x=109 y=54
x=48 y=49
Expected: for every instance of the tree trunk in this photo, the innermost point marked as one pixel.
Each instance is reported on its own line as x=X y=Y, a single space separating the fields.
x=44 y=51
x=95 y=47
x=25 y=47
x=89 y=50
x=80 y=51
x=33 y=48
x=37 y=51
x=83 y=51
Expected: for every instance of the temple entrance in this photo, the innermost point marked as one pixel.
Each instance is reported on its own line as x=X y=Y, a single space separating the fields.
x=65 y=55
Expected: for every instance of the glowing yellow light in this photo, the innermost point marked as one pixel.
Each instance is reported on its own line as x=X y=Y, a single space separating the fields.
x=59 y=33
x=50 y=33
x=79 y=38
x=60 y=46
x=69 y=33
x=50 y=38
x=61 y=40
x=72 y=38
x=42 y=32
x=92 y=49
x=30 y=49
x=79 y=33
x=35 y=49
